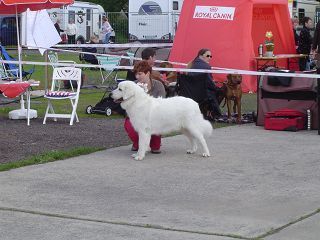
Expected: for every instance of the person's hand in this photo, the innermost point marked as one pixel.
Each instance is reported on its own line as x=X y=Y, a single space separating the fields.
x=144 y=86
x=164 y=79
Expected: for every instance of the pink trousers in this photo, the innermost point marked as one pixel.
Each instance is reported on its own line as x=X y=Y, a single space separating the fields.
x=155 y=141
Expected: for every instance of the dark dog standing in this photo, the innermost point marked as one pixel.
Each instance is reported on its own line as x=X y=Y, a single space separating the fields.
x=233 y=92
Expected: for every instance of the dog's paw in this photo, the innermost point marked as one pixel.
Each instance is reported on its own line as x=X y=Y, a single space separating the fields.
x=189 y=151
x=136 y=157
x=205 y=154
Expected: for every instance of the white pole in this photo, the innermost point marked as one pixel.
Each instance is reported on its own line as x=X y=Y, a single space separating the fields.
x=19 y=57
x=19 y=45
x=22 y=113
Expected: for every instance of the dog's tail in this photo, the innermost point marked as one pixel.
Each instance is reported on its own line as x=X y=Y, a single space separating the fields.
x=205 y=127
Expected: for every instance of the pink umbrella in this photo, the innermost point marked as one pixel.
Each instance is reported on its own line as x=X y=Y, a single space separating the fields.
x=18 y=6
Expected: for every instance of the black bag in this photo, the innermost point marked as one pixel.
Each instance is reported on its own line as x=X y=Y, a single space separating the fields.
x=67 y=83
x=278 y=80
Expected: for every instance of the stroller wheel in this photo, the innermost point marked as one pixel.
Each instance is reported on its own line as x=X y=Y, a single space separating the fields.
x=89 y=110
x=108 y=111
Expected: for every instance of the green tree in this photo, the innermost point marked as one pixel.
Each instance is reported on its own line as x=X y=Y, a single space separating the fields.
x=111 y=5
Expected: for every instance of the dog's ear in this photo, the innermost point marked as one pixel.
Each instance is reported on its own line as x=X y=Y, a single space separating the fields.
x=131 y=89
x=229 y=76
x=126 y=92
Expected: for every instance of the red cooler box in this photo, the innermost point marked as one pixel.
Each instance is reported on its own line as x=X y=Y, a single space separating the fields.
x=285 y=120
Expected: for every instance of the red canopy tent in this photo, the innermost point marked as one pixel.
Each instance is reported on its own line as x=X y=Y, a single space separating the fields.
x=232 y=30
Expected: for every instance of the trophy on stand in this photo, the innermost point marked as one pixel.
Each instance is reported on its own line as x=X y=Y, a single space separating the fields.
x=269 y=44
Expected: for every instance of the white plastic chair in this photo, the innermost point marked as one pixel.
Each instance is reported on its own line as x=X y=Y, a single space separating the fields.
x=54 y=59
x=131 y=57
x=108 y=66
x=61 y=74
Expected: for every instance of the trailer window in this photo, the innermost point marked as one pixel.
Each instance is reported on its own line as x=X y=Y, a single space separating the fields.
x=294 y=4
x=301 y=14
x=72 y=16
x=88 y=14
x=150 y=8
x=99 y=21
x=175 y=5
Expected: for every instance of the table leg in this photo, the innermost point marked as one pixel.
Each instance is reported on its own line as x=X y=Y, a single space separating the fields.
x=28 y=107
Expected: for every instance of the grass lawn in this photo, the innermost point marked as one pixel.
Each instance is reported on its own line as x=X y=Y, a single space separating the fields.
x=87 y=97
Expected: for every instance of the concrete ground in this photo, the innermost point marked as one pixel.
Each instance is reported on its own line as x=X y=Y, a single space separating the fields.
x=257 y=184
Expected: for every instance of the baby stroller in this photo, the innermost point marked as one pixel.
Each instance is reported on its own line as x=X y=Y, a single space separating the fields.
x=106 y=106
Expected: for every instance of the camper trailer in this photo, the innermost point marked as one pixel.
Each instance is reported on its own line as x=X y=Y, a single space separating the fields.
x=155 y=20
x=304 y=8
x=87 y=16
x=8 y=30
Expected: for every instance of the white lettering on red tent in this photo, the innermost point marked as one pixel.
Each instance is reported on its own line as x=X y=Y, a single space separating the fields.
x=214 y=12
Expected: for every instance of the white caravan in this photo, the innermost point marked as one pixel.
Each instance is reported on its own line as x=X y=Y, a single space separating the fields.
x=155 y=20
x=87 y=16
x=303 y=8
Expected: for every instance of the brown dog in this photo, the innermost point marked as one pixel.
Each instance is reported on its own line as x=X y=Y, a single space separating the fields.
x=233 y=92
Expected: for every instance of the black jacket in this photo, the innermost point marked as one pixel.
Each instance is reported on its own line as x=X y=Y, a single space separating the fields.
x=59 y=30
x=305 y=41
x=200 y=64
x=89 y=57
x=316 y=38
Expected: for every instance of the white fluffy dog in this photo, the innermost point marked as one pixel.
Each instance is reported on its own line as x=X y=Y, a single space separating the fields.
x=150 y=115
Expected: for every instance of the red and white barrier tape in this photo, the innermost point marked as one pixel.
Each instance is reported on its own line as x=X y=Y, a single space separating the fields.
x=125 y=45
x=216 y=71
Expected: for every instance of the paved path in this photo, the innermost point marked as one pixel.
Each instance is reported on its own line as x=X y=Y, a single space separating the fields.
x=257 y=184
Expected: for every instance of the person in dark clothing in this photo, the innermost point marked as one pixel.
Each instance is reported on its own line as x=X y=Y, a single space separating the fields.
x=90 y=58
x=202 y=62
x=57 y=26
x=315 y=49
x=148 y=54
x=305 y=41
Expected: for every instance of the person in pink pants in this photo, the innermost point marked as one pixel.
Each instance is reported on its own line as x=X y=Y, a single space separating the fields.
x=155 y=141
x=155 y=88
